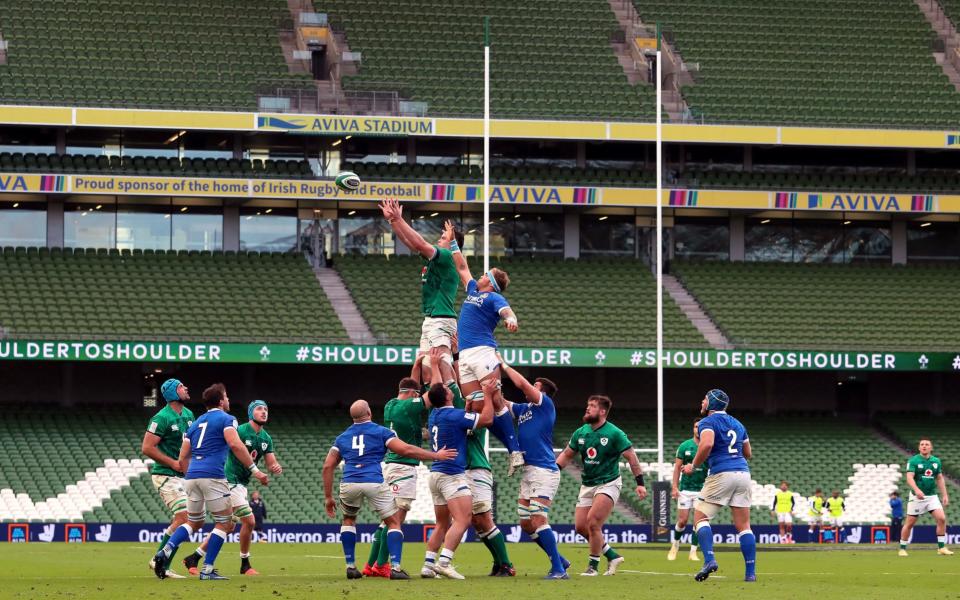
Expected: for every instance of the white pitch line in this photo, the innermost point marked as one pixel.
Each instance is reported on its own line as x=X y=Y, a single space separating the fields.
x=321 y=556
x=664 y=573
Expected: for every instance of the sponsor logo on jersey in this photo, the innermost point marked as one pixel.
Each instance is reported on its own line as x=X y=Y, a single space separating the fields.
x=153 y=427
x=580 y=441
x=928 y=473
x=687 y=453
x=248 y=442
x=591 y=452
x=603 y=441
x=174 y=427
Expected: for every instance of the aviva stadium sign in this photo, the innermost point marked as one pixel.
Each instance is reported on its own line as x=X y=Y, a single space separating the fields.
x=324 y=354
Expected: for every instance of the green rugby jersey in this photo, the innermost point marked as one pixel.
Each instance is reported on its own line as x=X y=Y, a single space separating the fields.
x=925 y=472
x=170 y=428
x=600 y=451
x=258 y=444
x=405 y=418
x=693 y=482
x=440 y=284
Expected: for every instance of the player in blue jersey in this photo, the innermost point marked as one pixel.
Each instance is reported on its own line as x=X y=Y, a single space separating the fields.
x=203 y=456
x=449 y=484
x=362 y=448
x=725 y=447
x=541 y=476
x=482 y=310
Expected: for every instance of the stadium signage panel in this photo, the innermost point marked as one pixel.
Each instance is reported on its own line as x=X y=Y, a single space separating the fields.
x=213 y=352
x=337 y=125
x=371 y=191
x=472 y=128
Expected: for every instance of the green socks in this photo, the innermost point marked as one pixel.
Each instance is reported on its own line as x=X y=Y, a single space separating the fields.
x=595 y=563
x=375 y=548
x=164 y=540
x=498 y=547
x=609 y=552
x=383 y=557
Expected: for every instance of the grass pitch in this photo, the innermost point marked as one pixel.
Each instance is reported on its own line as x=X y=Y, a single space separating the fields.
x=118 y=570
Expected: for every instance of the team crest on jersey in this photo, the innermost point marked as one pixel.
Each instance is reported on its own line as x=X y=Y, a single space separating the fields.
x=263 y=445
x=603 y=441
x=591 y=452
x=248 y=442
x=175 y=427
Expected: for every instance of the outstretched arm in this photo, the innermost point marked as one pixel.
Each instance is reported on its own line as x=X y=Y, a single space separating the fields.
x=410 y=451
x=531 y=393
x=393 y=212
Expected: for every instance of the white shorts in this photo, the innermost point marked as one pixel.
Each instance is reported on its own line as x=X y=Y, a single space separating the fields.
x=481 y=488
x=815 y=519
x=917 y=507
x=402 y=481
x=477 y=363
x=732 y=488
x=238 y=500
x=171 y=492
x=784 y=518
x=832 y=521
x=445 y=487
x=611 y=488
x=436 y=332
x=537 y=482
x=353 y=494
x=207 y=494
x=686 y=499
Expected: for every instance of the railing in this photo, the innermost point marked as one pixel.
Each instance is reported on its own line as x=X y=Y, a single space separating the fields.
x=311 y=100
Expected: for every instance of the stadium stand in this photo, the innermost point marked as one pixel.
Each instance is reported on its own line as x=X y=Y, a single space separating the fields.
x=545 y=318
x=775 y=305
x=908 y=429
x=151 y=165
x=85 y=464
x=95 y=294
x=550 y=59
x=849 y=62
x=165 y=54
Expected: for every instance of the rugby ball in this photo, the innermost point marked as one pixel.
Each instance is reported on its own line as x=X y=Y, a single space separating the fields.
x=348 y=181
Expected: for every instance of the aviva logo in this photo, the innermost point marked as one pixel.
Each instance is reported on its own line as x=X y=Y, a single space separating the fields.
x=278 y=123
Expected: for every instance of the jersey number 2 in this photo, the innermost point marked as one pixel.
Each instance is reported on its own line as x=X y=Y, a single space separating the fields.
x=357 y=444
x=733 y=440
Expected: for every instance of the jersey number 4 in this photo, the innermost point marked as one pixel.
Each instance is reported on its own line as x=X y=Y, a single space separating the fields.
x=357 y=444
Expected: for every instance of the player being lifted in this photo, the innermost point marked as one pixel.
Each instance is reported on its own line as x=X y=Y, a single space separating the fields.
x=260 y=445
x=161 y=442
x=782 y=508
x=725 y=447
x=684 y=490
x=600 y=445
x=439 y=280
x=541 y=476
x=925 y=478
x=203 y=455
x=449 y=484
x=362 y=448
x=482 y=311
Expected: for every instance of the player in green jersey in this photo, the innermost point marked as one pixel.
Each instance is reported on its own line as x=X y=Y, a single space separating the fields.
x=260 y=445
x=684 y=490
x=600 y=445
x=925 y=478
x=161 y=442
x=405 y=415
x=480 y=476
x=439 y=278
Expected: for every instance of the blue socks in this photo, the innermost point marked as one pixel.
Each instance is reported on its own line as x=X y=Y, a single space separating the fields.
x=395 y=545
x=217 y=538
x=179 y=536
x=502 y=428
x=748 y=546
x=548 y=541
x=348 y=538
x=705 y=536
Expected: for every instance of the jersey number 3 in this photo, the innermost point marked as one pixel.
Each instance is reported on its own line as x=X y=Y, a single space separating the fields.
x=357 y=444
x=733 y=440
x=435 y=431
